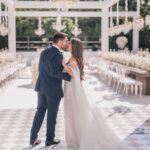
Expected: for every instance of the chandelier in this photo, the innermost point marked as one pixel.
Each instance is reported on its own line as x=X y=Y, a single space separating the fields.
x=4 y=30
x=58 y=26
x=115 y=30
x=39 y=31
x=64 y=4
x=121 y=42
x=147 y=19
x=138 y=24
x=44 y=39
x=118 y=29
x=111 y=31
x=127 y=27
x=76 y=30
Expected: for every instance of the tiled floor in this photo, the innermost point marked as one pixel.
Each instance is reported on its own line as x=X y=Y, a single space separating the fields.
x=129 y=117
x=15 y=125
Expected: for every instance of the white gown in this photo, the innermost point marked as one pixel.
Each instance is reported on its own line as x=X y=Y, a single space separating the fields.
x=84 y=128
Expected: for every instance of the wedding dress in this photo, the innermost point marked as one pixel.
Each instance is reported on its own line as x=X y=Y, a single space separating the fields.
x=85 y=129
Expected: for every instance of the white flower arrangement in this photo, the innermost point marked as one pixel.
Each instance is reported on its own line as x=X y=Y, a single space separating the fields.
x=141 y=60
x=6 y=56
x=10 y=67
x=121 y=41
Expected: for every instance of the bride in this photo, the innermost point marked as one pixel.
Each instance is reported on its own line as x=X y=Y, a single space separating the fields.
x=85 y=128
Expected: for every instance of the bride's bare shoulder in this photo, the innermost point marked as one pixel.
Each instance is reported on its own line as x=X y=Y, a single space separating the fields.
x=73 y=62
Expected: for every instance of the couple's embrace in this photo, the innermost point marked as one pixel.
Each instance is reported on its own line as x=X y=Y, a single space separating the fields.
x=84 y=128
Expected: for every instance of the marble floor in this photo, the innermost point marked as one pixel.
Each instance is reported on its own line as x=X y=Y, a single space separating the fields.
x=127 y=116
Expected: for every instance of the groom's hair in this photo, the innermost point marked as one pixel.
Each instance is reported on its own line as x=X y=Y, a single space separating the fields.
x=59 y=36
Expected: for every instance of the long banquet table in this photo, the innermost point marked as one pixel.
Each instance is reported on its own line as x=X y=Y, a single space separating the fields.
x=137 y=74
x=142 y=76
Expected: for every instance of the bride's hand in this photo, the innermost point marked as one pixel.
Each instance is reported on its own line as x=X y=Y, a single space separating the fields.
x=63 y=61
x=68 y=70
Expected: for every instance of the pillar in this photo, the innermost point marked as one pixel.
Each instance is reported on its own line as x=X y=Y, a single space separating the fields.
x=135 y=40
x=12 y=29
x=104 y=30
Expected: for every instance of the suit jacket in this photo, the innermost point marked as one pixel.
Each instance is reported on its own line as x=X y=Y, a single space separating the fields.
x=50 y=77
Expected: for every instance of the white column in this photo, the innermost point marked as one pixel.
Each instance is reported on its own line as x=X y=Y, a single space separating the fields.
x=135 y=38
x=12 y=30
x=135 y=46
x=0 y=12
x=104 y=30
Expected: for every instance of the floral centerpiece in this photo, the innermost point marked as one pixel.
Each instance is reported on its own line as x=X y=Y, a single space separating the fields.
x=6 y=56
x=141 y=60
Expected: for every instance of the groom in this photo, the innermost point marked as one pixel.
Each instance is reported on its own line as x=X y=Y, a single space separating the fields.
x=49 y=89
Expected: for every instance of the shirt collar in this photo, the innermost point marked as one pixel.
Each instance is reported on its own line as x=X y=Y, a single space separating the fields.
x=57 y=48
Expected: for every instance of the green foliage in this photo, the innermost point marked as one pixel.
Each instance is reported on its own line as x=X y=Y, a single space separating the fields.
x=90 y=26
x=69 y=22
x=3 y=42
x=26 y=26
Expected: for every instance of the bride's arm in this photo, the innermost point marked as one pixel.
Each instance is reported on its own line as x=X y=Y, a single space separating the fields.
x=68 y=70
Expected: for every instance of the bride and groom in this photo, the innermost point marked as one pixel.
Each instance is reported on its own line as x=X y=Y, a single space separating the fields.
x=84 y=128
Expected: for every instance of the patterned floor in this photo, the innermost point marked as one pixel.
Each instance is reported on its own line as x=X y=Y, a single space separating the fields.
x=15 y=125
x=128 y=117
x=133 y=124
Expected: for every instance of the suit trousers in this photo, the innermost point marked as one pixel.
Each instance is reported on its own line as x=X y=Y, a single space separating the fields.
x=51 y=105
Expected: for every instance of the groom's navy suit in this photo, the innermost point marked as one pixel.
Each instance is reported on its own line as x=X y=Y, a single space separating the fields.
x=50 y=92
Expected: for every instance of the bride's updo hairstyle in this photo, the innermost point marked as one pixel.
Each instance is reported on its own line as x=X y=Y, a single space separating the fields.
x=77 y=53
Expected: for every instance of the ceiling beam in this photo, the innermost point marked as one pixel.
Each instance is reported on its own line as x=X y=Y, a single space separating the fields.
x=68 y=14
x=47 y=5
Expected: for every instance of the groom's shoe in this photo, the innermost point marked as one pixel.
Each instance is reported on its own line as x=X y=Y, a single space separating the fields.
x=35 y=143
x=54 y=142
